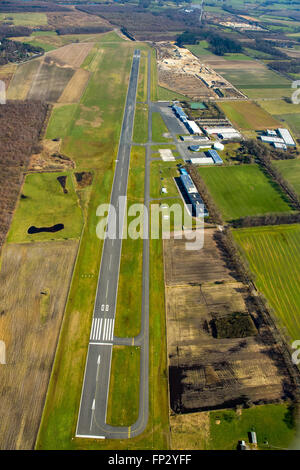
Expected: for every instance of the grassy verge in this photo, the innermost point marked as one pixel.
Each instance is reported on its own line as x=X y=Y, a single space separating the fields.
x=129 y=303
x=123 y=401
x=159 y=129
x=162 y=175
x=143 y=74
x=168 y=95
x=154 y=78
x=140 y=132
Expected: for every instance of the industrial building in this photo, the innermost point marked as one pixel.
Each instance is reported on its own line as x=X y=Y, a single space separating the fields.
x=194 y=198
x=215 y=156
x=191 y=126
x=271 y=140
x=280 y=139
x=179 y=112
x=197 y=148
x=279 y=146
x=202 y=161
x=218 y=130
x=224 y=133
x=230 y=135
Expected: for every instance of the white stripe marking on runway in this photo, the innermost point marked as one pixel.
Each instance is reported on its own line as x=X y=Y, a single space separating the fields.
x=112 y=332
x=99 y=334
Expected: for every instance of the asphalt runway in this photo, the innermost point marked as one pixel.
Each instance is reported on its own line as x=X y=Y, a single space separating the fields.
x=93 y=405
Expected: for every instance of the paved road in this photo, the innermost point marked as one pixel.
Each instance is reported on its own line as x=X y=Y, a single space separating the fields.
x=93 y=405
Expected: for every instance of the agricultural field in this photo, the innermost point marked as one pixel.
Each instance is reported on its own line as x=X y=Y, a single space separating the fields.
x=278 y=107
x=290 y=170
x=44 y=204
x=248 y=115
x=206 y=369
x=22 y=80
x=242 y=190
x=190 y=431
x=274 y=258
x=256 y=81
x=32 y=308
x=96 y=124
x=49 y=82
x=75 y=88
x=25 y=19
x=293 y=122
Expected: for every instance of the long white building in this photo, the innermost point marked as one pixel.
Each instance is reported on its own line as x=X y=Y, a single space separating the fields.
x=286 y=136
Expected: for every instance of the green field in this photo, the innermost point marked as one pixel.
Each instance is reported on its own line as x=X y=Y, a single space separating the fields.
x=278 y=107
x=168 y=95
x=290 y=169
x=159 y=128
x=243 y=190
x=274 y=257
x=123 y=399
x=293 y=122
x=200 y=49
x=272 y=423
x=258 y=83
x=25 y=19
x=247 y=115
x=44 y=205
x=61 y=121
x=162 y=175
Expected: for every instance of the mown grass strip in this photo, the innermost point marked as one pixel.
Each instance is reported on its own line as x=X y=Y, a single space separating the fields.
x=123 y=398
